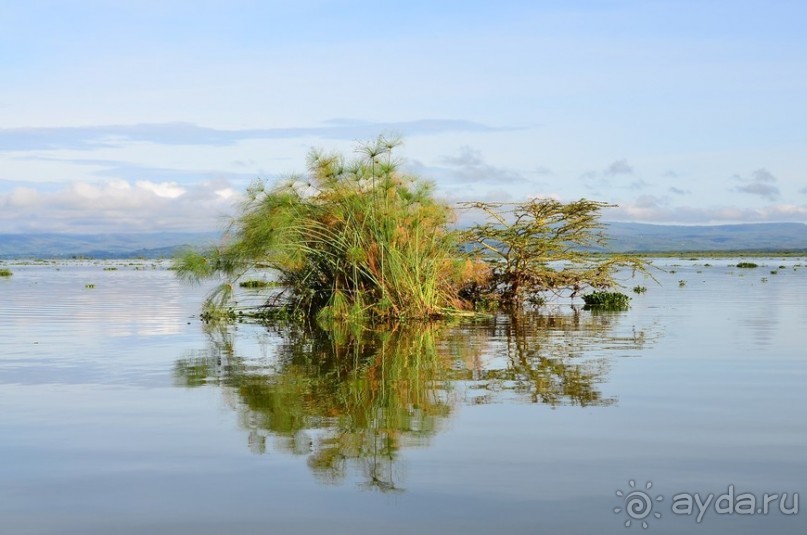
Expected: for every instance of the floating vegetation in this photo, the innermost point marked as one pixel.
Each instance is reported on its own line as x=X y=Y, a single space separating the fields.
x=639 y=289
x=4 y=272
x=672 y=271
x=764 y=279
x=774 y=271
x=682 y=283
x=606 y=301
x=707 y=265
x=258 y=284
x=110 y=269
x=747 y=265
x=89 y=285
x=218 y=314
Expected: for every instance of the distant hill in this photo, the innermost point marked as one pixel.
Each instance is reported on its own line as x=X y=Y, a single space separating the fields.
x=144 y=245
x=625 y=237
x=639 y=237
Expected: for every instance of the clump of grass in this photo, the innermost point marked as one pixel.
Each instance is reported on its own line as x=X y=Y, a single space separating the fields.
x=351 y=239
x=682 y=283
x=89 y=285
x=639 y=289
x=774 y=271
x=5 y=272
x=606 y=300
x=110 y=269
x=747 y=265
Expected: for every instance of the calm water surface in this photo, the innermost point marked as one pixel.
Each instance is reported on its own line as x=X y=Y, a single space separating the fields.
x=121 y=412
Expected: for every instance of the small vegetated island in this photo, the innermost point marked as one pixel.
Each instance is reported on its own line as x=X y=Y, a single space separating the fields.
x=358 y=239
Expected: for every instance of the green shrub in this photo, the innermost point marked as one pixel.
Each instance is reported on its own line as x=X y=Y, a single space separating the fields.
x=607 y=300
x=350 y=239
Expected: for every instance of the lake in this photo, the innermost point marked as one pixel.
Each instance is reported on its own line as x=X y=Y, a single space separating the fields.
x=121 y=412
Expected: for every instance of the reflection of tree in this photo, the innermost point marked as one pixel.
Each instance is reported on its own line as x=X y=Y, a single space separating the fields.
x=351 y=398
x=552 y=358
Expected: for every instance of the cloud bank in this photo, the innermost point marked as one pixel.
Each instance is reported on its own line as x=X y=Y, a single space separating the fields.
x=118 y=206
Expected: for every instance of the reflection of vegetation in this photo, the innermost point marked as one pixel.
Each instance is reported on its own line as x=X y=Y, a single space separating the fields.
x=347 y=396
x=350 y=399
x=552 y=358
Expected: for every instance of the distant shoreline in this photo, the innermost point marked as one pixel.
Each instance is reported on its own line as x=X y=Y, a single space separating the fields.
x=626 y=238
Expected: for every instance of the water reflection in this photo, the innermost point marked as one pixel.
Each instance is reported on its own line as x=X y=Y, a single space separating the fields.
x=350 y=399
x=556 y=358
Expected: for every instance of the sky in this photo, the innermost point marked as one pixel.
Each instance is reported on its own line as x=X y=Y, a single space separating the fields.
x=155 y=115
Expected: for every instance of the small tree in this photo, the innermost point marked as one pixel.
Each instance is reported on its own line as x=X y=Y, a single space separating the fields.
x=542 y=245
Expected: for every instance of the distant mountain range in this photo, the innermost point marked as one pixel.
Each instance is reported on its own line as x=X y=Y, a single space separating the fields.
x=639 y=237
x=625 y=237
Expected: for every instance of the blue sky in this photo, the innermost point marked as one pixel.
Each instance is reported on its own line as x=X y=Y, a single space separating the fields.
x=155 y=115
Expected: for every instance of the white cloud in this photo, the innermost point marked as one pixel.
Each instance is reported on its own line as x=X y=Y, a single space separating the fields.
x=650 y=202
x=761 y=184
x=649 y=209
x=168 y=190
x=678 y=191
x=619 y=167
x=543 y=171
x=470 y=166
x=613 y=176
x=117 y=206
x=467 y=175
x=179 y=133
